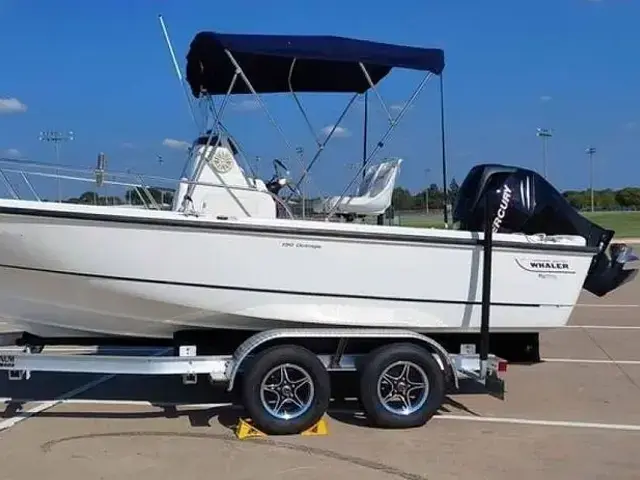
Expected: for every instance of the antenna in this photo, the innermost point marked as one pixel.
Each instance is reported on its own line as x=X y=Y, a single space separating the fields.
x=177 y=69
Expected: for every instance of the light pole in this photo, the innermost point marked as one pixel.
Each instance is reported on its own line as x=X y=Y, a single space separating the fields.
x=426 y=189
x=353 y=166
x=544 y=134
x=56 y=138
x=591 y=151
x=300 y=152
x=364 y=134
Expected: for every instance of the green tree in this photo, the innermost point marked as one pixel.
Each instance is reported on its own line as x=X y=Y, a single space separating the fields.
x=628 y=197
x=88 y=197
x=402 y=199
x=452 y=193
x=576 y=199
x=436 y=197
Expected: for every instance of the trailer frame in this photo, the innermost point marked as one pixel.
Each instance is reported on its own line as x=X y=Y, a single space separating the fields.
x=225 y=368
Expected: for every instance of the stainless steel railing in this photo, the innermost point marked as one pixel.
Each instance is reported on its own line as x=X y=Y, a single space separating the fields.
x=27 y=180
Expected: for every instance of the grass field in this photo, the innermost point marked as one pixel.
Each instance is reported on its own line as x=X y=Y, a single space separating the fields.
x=625 y=224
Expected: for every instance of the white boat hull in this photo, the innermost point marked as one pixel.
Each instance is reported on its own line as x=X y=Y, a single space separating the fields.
x=78 y=270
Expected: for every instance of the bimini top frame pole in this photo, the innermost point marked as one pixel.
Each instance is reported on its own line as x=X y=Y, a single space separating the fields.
x=290 y=64
x=393 y=122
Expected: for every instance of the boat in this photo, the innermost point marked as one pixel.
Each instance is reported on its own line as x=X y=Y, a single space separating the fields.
x=228 y=255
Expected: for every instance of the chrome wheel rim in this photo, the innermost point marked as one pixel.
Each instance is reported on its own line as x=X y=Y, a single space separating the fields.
x=403 y=388
x=287 y=391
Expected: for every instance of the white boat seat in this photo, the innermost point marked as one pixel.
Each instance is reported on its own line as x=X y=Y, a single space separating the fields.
x=374 y=194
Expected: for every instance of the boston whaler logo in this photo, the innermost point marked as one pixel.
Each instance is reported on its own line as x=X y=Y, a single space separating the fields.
x=502 y=210
x=542 y=265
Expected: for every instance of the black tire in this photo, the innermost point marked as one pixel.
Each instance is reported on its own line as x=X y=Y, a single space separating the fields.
x=374 y=366
x=261 y=365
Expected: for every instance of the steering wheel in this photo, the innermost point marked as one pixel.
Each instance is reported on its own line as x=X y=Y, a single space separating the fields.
x=280 y=168
x=282 y=171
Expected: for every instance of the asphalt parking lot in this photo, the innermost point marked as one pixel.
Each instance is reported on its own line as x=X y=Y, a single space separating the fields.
x=576 y=415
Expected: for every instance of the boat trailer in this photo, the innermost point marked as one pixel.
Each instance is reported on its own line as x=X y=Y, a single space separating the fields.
x=298 y=377
x=403 y=376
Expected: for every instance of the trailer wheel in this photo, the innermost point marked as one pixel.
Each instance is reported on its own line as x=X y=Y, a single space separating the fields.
x=401 y=386
x=286 y=390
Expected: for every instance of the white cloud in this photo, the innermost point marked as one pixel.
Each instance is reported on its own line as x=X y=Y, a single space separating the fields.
x=13 y=153
x=396 y=107
x=631 y=125
x=11 y=105
x=127 y=145
x=545 y=98
x=246 y=105
x=340 y=132
x=176 y=144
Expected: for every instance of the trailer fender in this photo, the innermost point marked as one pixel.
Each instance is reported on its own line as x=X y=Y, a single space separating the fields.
x=262 y=338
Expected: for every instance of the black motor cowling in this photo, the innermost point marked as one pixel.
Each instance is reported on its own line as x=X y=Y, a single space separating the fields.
x=522 y=201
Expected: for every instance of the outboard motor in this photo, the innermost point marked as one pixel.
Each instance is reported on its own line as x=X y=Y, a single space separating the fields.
x=525 y=202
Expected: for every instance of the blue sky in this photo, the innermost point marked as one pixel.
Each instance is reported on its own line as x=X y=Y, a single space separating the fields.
x=102 y=70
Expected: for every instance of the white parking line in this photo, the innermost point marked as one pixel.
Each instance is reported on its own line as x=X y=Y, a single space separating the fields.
x=468 y=418
x=607 y=305
x=605 y=327
x=591 y=360
x=10 y=422
x=543 y=423
x=143 y=403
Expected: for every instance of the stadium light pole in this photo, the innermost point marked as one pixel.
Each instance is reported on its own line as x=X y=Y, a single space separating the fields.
x=353 y=166
x=591 y=152
x=545 y=134
x=364 y=133
x=427 y=171
x=52 y=136
x=300 y=152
